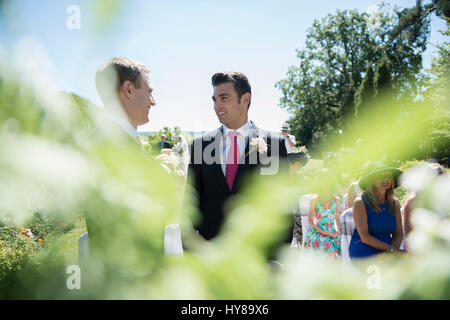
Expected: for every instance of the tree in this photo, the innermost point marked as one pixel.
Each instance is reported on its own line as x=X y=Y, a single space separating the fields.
x=340 y=52
x=440 y=7
x=366 y=90
x=383 y=79
x=437 y=142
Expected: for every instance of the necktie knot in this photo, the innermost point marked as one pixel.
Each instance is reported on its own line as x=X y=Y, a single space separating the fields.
x=233 y=134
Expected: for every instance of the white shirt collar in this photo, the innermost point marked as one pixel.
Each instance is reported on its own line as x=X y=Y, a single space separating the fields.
x=244 y=130
x=125 y=125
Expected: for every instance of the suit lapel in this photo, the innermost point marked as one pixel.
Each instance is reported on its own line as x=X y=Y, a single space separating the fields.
x=244 y=162
x=217 y=166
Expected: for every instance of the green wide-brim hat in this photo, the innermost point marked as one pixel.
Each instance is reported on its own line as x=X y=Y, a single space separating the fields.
x=377 y=169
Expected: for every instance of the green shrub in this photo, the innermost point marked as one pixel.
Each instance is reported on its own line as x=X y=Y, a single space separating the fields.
x=18 y=244
x=16 y=247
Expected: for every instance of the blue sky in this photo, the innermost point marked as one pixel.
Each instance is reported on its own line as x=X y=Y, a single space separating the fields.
x=183 y=43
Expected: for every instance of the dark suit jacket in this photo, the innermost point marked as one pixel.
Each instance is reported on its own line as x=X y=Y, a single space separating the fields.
x=164 y=145
x=167 y=145
x=156 y=147
x=208 y=180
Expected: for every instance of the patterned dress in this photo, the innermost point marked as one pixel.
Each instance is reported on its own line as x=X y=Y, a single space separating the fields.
x=325 y=215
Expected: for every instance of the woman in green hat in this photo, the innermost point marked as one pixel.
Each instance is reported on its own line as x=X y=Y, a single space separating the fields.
x=377 y=214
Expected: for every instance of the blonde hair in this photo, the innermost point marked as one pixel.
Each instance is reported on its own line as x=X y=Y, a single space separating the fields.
x=114 y=73
x=353 y=191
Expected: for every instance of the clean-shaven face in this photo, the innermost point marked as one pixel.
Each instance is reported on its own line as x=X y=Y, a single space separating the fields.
x=143 y=100
x=229 y=111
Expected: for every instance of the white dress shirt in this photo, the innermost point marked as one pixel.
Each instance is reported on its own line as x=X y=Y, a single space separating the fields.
x=244 y=132
x=289 y=149
x=125 y=125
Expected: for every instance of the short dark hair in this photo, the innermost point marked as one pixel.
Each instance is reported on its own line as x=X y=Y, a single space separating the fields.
x=239 y=80
x=114 y=73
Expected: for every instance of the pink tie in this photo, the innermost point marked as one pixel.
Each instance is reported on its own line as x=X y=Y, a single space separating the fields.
x=232 y=160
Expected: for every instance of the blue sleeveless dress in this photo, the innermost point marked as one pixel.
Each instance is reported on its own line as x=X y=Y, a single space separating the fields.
x=381 y=226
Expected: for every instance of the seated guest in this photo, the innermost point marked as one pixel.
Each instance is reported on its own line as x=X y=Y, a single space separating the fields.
x=413 y=200
x=377 y=213
x=296 y=160
x=347 y=223
x=354 y=191
x=324 y=233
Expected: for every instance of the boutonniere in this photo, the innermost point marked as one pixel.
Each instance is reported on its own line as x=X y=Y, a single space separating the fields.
x=258 y=144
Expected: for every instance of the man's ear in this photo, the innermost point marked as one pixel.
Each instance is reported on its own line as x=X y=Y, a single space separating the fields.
x=246 y=96
x=127 y=89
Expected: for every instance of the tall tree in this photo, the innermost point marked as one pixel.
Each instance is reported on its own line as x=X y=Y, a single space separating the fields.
x=340 y=49
x=383 y=78
x=440 y=7
x=437 y=141
x=366 y=90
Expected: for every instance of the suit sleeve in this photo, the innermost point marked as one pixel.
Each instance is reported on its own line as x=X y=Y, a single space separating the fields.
x=284 y=166
x=283 y=151
x=194 y=176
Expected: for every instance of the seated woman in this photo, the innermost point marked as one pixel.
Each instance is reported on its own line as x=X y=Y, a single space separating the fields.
x=324 y=234
x=377 y=214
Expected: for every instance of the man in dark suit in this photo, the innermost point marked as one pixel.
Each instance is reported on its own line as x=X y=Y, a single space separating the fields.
x=164 y=144
x=221 y=159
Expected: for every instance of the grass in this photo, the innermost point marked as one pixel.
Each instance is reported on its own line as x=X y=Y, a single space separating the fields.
x=313 y=164
x=66 y=244
x=44 y=275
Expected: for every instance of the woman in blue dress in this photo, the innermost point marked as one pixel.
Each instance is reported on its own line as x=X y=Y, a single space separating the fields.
x=377 y=214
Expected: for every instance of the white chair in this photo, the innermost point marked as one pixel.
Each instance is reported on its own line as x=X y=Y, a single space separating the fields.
x=172 y=240
x=83 y=249
x=304 y=204
x=294 y=242
x=403 y=244
x=344 y=202
x=347 y=229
